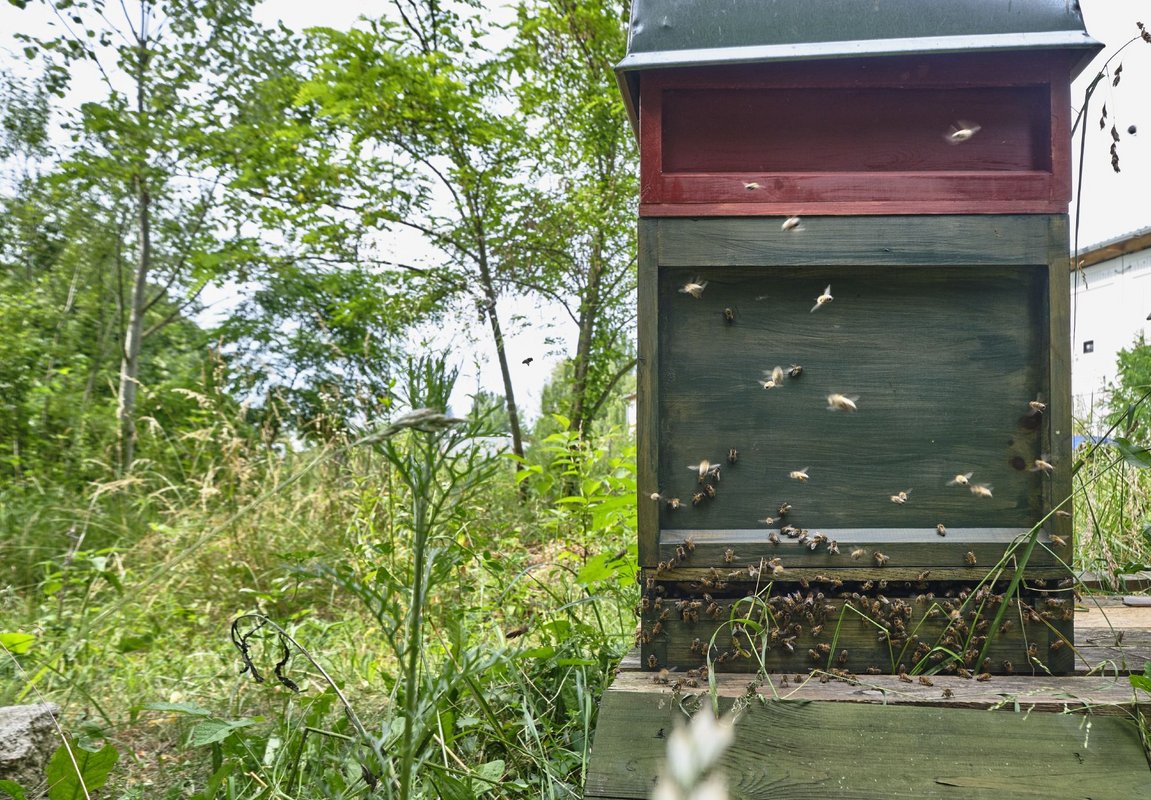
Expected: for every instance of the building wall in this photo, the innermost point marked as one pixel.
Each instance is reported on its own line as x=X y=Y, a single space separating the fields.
x=1111 y=301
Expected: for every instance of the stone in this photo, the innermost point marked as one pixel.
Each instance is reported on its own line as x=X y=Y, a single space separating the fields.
x=28 y=738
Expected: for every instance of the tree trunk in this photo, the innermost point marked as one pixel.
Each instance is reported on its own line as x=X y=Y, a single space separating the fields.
x=133 y=338
x=588 y=313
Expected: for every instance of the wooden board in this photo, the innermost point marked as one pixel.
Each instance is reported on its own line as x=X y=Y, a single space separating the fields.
x=790 y=749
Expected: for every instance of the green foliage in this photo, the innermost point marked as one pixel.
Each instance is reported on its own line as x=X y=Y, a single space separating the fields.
x=1126 y=404
x=75 y=770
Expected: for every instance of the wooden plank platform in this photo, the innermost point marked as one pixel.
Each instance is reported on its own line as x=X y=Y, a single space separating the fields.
x=817 y=736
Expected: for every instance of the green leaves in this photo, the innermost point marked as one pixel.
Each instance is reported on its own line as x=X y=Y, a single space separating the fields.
x=1142 y=682
x=1133 y=454
x=17 y=643
x=68 y=780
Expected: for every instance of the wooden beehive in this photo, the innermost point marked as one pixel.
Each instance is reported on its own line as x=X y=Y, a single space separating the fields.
x=931 y=186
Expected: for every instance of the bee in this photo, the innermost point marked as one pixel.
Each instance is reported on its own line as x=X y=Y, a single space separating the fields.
x=689 y=543
x=1008 y=667
x=926 y=681
x=1062 y=513
x=728 y=556
x=1033 y=650
x=655 y=497
x=767 y=520
x=903 y=676
x=751 y=186
x=1057 y=645
x=948 y=694
x=773 y=537
x=874 y=671
x=732 y=456
x=983 y=677
x=799 y=474
x=941 y=529
x=790 y=224
x=709 y=490
x=789 y=643
x=674 y=503
x=775 y=378
x=697 y=498
x=1036 y=406
x=728 y=315
x=841 y=402
x=981 y=490
x=652 y=661
x=795 y=370
x=776 y=569
x=784 y=509
x=1041 y=464
x=960 y=132
x=705 y=469
x=1058 y=540
x=858 y=553
x=657 y=629
x=961 y=480
x=970 y=558
x=694 y=288
x=880 y=559
x=833 y=547
x=921 y=577
x=790 y=531
x=823 y=299
x=841 y=659
x=901 y=497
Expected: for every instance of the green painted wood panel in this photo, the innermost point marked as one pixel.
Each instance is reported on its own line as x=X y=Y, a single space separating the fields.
x=825 y=750
x=943 y=360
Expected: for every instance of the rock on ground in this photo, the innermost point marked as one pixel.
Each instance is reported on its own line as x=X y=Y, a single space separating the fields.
x=27 y=740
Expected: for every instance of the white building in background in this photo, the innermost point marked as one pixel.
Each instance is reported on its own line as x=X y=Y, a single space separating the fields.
x=1110 y=307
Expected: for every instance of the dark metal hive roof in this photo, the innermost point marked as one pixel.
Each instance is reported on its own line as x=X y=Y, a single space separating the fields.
x=684 y=33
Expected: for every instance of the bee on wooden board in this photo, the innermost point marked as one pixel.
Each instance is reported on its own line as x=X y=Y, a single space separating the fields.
x=694 y=288
x=773 y=537
x=926 y=681
x=732 y=456
x=880 y=559
x=709 y=490
x=970 y=559
x=697 y=498
x=795 y=370
x=799 y=474
x=900 y=498
x=941 y=529
x=842 y=402
x=729 y=315
x=823 y=299
x=705 y=469
x=961 y=480
x=961 y=132
x=728 y=555
x=1041 y=464
x=652 y=661
x=1036 y=406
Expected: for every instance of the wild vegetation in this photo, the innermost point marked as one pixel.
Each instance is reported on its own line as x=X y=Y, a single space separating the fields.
x=266 y=552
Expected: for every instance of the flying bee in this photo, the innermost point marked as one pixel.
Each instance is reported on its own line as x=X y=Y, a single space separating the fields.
x=841 y=402
x=960 y=132
x=751 y=186
x=697 y=498
x=775 y=378
x=970 y=558
x=1062 y=513
x=1041 y=464
x=729 y=315
x=728 y=556
x=1036 y=406
x=981 y=489
x=901 y=497
x=732 y=456
x=858 y=553
x=694 y=288
x=799 y=474
x=705 y=469
x=833 y=547
x=784 y=509
x=674 y=503
x=655 y=496
x=941 y=529
x=880 y=559
x=689 y=542
x=773 y=537
x=961 y=480
x=790 y=224
x=1057 y=540
x=767 y=520
x=823 y=299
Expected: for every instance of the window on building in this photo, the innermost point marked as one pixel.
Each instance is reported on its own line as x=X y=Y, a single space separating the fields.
x=1089 y=346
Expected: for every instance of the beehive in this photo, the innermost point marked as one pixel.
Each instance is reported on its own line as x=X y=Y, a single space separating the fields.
x=884 y=220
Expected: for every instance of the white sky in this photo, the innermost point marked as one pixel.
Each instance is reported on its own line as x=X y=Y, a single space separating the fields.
x=1114 y=204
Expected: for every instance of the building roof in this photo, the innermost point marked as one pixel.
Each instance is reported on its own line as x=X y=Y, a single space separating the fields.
x=680 y=33
x=1132 y=242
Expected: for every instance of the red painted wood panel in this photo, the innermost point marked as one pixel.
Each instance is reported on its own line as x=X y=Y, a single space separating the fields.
x=858 y=136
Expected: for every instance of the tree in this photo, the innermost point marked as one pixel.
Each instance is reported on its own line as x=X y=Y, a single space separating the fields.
x=1130 y=397
x=584 y=241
